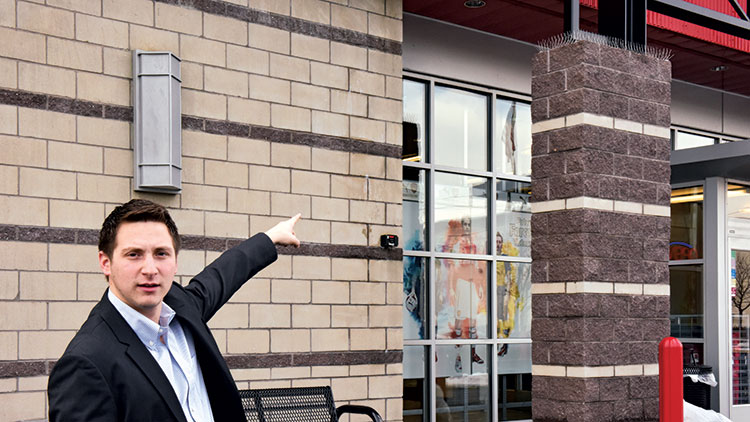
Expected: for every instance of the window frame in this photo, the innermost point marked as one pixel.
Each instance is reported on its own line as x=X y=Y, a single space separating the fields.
x=430 y=255
x=718 y=138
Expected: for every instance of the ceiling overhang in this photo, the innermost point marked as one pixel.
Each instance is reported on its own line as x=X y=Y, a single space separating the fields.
x=728 y=160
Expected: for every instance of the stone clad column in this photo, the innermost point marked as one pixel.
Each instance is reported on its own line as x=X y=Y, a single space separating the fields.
x=600 y=229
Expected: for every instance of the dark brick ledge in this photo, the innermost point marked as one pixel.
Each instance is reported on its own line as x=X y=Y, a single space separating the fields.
x=223 y=127
x=292 y=24
x=18 y=233
x=219 y=127
x=279 y=360
x=65 y=105
x=9 y=369
x=34 y=368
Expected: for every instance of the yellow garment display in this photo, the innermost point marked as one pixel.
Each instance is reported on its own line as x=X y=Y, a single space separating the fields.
x=507 y=282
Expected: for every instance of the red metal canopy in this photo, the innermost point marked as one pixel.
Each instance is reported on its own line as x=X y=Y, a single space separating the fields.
x=696 y=50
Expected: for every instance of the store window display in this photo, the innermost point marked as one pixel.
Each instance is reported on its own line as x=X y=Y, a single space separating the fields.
x=467 y=254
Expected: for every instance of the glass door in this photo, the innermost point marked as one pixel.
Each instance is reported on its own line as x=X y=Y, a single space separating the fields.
x=738 y=227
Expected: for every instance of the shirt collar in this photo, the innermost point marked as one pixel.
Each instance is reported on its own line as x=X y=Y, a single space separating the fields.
x=147 y=331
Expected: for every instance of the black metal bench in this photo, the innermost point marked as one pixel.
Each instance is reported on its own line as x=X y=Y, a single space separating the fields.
x=304 y=404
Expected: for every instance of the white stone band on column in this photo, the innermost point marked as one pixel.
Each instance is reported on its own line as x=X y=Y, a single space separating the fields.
x=601 y=121
x=600 y=204
x=595 y=371
x=600 y=287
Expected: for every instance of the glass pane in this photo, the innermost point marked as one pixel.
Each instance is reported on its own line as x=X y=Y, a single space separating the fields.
x=514 y=381
x=683 y=140
x=460 y=213
x=513 y=216
x=512 y=138
x=461 y=298
x=686 y=239
x=415 y=297
x=513 y=299
x=738 y=206
x=686 y=301
x=462 y=390
x=738 y=225
x=414 y=205
x=515 y=389
x=414 y=384
x=740 y=292
x=414 y=121
x=740 y=355
x=460 y=129
x=692 y=354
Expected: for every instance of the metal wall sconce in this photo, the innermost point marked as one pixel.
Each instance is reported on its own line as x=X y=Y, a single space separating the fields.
x=157 y=122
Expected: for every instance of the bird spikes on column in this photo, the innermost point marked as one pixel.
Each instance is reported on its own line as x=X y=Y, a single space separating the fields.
x=571 y=37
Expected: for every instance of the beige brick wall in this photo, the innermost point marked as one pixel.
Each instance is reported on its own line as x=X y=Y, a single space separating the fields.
x=64 y=171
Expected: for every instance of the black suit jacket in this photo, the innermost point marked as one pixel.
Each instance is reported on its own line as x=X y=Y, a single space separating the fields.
x=107 y=374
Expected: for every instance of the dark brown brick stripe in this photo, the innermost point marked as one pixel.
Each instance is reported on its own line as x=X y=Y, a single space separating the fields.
x=222 y=127
x=219 y=127
x=288 y=23
x=344 y=251
x=277 y=360
x=25 y=368
x=10 y=232
x=65 y=105
x=34 y=368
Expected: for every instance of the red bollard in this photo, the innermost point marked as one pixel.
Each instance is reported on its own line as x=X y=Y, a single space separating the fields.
x=670 y=380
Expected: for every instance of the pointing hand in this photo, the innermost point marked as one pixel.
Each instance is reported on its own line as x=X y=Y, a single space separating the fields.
x=283 y=232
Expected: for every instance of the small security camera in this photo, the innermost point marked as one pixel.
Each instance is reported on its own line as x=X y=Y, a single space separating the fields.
x=388 y=241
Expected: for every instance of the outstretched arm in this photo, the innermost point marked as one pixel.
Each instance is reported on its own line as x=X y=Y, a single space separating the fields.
x=222 y=278
x=283 y=232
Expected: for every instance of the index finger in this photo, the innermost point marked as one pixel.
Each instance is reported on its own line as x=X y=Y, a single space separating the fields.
x=296 y=218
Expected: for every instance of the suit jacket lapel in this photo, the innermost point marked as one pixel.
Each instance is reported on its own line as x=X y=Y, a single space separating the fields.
x=141 y=357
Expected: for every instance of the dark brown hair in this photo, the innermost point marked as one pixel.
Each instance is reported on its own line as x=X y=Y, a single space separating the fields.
x=132 y=211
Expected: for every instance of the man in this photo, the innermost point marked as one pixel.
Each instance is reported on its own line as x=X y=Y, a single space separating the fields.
x=145 y=352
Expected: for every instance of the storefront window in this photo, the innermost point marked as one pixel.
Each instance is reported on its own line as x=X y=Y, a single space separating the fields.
x=414 y=121
x=513 y=135
x=415 y=298
x=414 y=208
x=514 y=381
x=686 y=301
x=461 y=288
x=686 y=239
x=467 y=254
x=513 y=299
x=686 y=272
x=462 y=383
x=460 y=213
x=460 y=128
x=513 y=218
x=415 y=391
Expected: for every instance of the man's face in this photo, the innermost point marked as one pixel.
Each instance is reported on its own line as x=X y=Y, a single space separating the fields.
x=142 y=266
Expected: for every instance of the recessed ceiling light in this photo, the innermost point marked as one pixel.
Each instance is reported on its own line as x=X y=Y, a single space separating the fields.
x=719 y=68
x=474 y=4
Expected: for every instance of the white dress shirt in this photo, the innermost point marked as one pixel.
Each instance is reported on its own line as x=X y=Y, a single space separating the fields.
x=174 y=351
